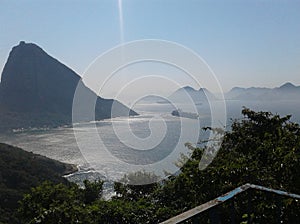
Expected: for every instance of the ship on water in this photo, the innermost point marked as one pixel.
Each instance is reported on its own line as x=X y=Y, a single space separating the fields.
x=180 y=113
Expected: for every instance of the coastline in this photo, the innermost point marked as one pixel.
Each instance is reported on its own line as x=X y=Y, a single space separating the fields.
x=70 y=169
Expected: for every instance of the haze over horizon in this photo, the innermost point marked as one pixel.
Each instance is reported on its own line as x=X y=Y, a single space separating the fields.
x=252 y=43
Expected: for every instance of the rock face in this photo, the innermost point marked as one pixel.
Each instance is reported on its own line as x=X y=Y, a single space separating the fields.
x=33 y=82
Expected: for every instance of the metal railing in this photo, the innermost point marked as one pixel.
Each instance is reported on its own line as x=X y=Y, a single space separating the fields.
x=192 y=214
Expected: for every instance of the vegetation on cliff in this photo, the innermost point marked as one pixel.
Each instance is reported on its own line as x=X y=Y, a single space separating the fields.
x=20 y=171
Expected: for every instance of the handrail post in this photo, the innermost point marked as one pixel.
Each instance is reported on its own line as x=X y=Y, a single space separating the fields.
x=195 y=219
x=232 y=212
x=279 y=205
x=214 y=215
x=249 y=206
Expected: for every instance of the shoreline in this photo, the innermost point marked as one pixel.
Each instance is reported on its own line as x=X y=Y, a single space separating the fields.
x=70 y=169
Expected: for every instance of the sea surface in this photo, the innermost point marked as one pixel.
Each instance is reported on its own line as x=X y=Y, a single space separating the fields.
x=152 y=141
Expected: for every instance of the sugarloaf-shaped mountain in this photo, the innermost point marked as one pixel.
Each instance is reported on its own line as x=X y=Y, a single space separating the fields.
x=37 y=90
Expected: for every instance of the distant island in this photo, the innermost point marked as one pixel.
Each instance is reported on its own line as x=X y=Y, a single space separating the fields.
x=36 y=90
x=180 y=113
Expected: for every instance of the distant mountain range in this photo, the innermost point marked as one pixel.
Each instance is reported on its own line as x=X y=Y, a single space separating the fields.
x=287 y=91
x=152 y=99
x=38 y=90
x=187 y=94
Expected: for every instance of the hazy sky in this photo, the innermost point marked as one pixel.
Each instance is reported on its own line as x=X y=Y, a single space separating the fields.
x=246 y=43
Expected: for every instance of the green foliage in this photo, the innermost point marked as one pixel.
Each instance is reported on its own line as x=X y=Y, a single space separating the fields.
x=50 y=203
x=130 y=187
x=21 y=170
x=262 y=149
x=60 y=203
x=93 y=191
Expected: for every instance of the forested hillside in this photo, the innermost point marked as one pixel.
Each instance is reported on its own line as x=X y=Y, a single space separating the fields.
x=20 y=171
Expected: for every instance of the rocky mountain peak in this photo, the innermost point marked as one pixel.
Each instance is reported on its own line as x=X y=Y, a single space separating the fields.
x=33 y=82
x=287 y=85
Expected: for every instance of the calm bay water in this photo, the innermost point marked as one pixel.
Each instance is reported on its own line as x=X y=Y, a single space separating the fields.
x=159 y=135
